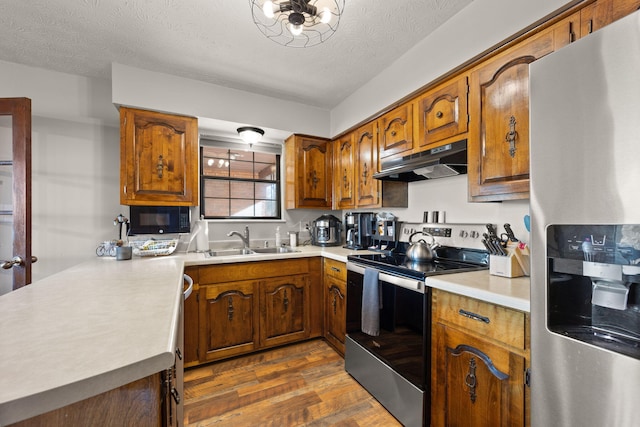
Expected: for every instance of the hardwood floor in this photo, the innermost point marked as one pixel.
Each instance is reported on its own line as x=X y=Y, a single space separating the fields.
x=299 y=385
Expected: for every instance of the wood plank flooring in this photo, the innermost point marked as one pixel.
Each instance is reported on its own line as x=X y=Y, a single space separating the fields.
x=299 y=385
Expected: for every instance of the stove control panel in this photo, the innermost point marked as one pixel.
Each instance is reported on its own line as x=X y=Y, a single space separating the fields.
x=454 y=235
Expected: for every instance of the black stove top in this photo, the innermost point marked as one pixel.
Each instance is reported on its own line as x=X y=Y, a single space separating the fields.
x=448 y=260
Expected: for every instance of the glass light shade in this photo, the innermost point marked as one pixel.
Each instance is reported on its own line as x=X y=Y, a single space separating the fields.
x=321 y=19
x=268 y=9
x=250 y=135
x=296 y=30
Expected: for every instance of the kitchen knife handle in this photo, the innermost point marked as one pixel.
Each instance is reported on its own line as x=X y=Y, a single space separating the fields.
x=509 y=230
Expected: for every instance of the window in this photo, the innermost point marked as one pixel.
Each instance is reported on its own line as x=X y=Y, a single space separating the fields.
x=239 y=184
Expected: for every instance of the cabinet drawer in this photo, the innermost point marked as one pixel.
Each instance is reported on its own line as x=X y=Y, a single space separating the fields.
x=336 y=269
x=492 y=321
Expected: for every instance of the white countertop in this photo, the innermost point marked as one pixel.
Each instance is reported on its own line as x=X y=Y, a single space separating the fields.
x=512 y=293
x=105 y=323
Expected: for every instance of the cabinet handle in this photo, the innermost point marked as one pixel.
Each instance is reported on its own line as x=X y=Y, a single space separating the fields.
x=159 y=166
x=336 y=269
x=176 y=395
x=334 y=303
x=474 y=316
x=178 y=353
x=230 y=308
x=313 y=177
x=285 y=301
x=345 y=180
x=511 y=136
x=572 y=34
x=470 y=379
x=590 y=26
x=365 y=174
x=393 y=133
x=439 y=114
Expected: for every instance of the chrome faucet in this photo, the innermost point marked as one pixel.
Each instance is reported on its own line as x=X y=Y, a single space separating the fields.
x=245 y=237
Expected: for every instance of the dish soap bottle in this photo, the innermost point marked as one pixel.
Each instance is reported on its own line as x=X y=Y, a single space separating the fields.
x=278 y=238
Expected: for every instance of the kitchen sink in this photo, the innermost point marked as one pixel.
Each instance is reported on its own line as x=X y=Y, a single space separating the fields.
x=252 y=251
x=228 y=252
x=275 y=250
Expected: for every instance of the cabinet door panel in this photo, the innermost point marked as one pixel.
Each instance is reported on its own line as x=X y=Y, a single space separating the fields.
x=230 y=317
x=159 y=158
x=344 y=174
x=366 y=165
x=478 y=383
x=285 y=310
x=395 y=131
x=442 y=113
x=498 y=148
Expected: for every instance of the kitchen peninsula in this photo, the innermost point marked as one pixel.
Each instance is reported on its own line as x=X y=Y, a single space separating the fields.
x=105 y=323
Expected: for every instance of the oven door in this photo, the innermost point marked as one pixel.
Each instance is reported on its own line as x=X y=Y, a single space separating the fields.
x=393 y=366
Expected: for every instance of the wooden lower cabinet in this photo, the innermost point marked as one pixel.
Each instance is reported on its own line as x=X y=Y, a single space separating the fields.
x=248 y=306
x=335 y=303
x=480 y=354
x=284 y=304
x=228 y=319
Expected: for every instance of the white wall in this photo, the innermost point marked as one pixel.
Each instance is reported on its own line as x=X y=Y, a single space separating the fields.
x=75 y=164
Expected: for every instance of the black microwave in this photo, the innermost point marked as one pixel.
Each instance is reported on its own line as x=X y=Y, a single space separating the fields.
x=159 y=219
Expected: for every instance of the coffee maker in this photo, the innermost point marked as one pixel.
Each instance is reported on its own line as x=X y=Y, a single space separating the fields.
x=325 y=231
x=359 y=229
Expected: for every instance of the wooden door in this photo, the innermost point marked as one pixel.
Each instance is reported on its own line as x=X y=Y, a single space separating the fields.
x=314 y=173
x=368 y=188
x=284 y=302
x=335 y=312
x=15 y=208
x=442 y=113
x=344 y=174
x=498 y=144
x=483 y=384
x=229 y=319
x=158 y=159
x=395 y=131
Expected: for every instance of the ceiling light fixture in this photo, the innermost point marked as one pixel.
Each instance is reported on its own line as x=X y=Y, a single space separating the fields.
x=297 y=23
x=250 y=134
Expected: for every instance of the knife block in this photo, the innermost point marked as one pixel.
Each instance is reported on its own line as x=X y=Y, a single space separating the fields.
x=505 y=266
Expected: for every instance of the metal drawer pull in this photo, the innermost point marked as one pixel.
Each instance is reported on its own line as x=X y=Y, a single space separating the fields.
x=336 y=269
x=474 y=316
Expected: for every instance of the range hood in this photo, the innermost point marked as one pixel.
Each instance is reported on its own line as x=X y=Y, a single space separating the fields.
x=439 y=162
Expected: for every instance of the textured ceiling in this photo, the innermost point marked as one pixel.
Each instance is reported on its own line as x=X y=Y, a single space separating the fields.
x=216 y=41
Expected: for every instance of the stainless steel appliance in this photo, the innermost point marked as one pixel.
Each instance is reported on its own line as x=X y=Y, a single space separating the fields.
x=585 y=211
x=159 y=219
x=389 y=336
x=439 y=162
x=358 y=229
x=325 y=231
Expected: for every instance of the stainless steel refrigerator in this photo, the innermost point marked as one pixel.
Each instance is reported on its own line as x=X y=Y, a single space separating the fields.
x=585 y=235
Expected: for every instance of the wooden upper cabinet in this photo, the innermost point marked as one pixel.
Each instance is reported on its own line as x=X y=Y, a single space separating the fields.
x=395 y=131
x=603 y=12
x=498 y=143
x=308 y=164
x=344 y=191
x=441 y=113
x=368 y=188
x=158 y=158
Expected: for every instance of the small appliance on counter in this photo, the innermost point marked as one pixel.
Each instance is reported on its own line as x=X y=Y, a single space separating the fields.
x=358 y=229
x=325 y=231
x=385 y=233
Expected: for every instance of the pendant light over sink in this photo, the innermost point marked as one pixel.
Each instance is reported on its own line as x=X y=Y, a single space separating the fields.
x=297 y=23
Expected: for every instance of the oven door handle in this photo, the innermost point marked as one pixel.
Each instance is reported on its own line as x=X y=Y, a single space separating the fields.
x=405 y=282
